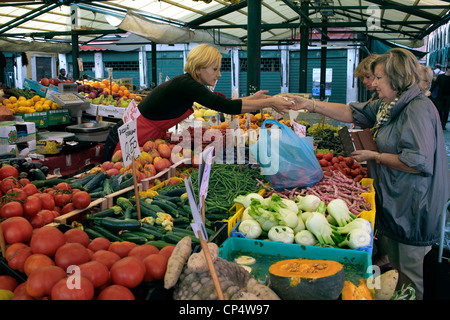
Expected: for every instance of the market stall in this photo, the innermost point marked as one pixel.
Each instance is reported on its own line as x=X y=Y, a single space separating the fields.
x=134 y=223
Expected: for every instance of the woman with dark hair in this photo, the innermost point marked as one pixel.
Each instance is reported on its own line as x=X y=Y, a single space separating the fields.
x=410 y=168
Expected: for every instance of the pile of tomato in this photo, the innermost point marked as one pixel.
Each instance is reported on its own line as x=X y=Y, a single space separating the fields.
x=21 y=198
x=69 y=266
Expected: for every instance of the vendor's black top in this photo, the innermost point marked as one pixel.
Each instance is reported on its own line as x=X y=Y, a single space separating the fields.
x=173 y=98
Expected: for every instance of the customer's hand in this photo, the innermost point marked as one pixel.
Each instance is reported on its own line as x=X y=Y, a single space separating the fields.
x=301 y=103
x=282 y=104
x=363 y=155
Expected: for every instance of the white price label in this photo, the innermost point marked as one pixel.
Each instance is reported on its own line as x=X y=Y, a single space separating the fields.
x=299 y=129
x=129 y=142
x=131 y=112
x=197 y=225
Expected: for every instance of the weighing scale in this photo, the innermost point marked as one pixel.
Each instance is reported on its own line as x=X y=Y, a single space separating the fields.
x=69 y=98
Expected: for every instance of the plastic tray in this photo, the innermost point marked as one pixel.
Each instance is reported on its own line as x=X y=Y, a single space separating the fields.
x=269 y=251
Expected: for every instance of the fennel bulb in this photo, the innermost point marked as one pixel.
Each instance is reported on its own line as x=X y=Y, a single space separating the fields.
x=338 y=209
x=358 y=223
x=307 y=203
x=247 y=199
x=300 y=224
x=250 y=228
x=305 y=237
x=281 y=234
x=319 y=226
x=246 y=215
x=356 y=238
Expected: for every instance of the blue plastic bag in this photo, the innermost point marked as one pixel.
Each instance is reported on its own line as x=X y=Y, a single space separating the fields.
x=286 y=160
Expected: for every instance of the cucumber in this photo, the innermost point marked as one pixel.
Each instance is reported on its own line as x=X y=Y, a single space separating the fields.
x=97 y=194
x=172 y=238
x=167 y=206
x=106 y=233
x=126 y=183
x=155 y=233
x=86 y=179
x=114 y=224
x=124 y=203
x=114 y=182
x=44 y=183
x=107 y=186
x=173 y=200
x=101 y=214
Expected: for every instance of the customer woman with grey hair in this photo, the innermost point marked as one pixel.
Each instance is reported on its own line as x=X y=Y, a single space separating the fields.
x=410 y=168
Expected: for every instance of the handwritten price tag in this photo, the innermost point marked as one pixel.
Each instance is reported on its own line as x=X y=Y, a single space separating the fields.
x=129 y=142
x=204 y=172
x=299 y=129
x=197 y=225
x=131 y=112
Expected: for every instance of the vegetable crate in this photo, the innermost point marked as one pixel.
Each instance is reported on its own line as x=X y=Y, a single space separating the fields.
x=357 y=264
x=162 y=175
x=110 y=198
x=370 y=198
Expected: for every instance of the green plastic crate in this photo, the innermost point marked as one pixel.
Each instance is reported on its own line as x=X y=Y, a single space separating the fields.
x=357 y=264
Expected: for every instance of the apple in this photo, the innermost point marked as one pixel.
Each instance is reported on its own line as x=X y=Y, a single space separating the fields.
x=93 y=94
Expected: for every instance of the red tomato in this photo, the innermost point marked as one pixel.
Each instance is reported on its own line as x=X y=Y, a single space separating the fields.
x=122 y=248
x=35 y=261
x=8 y=184
x=47 y=215
x=82 y=289
x=63 y=186
x=17 y=261
x=96 y=272
x=47 y=200
x=81 y=199
x=128 y=272
x=17 y=194
x=116 y=292
x=11 y=209
x=99 y=244
x=47 y=240
x=71 y=254
x=24 y=181
x=30 y=189
x=8 y=283
x=68 y=208
x=62 y=199
x=37 y=221
x=143 y=251
x=41 y=281
x=155 y=267
x=108 y=258
x=167 y=251
x=8 y=171
x=32 y=206
x=17 y=229
x=77 y=235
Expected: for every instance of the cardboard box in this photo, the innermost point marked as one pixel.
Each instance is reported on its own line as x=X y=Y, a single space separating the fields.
x=58 y=116
x=110 y=111
x=20 y=149
x=12 y=132
x=91 y=110
x=35 y=86
x=39 y=118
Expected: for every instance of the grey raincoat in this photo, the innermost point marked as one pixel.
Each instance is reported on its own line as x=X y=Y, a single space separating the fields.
x=409 y=205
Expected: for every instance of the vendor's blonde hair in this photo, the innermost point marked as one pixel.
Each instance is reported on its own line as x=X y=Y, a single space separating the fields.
x=401 y=67
x=201 y=56
x=363 y=67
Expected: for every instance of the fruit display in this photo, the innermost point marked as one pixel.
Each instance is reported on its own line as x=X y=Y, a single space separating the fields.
x=19 y=103
x=107 y=93
x=53 y=81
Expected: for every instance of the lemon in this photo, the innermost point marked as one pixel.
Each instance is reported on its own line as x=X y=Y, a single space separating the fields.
x=13 y=99
x=22 y=98
x=7 y=101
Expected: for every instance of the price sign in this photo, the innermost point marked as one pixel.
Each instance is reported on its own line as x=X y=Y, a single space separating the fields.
x=131 y=112
x=299 y=129
x=129 y=142
x=203 y=173
x=234 y=124
x=197 y=225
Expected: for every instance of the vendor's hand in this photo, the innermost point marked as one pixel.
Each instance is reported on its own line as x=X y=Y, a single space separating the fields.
x=261 y=94
x=301 y=103
x=282 y=104
x=363 y=155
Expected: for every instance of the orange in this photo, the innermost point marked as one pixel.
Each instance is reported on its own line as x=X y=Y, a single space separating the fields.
x=7 y=101
x=115 y=88
x=126 y=93
x=13 y=99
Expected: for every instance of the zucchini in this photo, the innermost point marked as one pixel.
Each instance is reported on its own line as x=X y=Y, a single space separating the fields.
x=174 y=192
x=124 y=203
x=93 y=234
x=159 y=243
x=173 y=200
x=86 y=179
x=167 y=207
x=43 y=183
x=95 y=182
x=36 y=174
x=114 y=182
x=115 y=224
x=105 y=213
x=126 y=183
x=155 y=233
x=172 y=238
x=133 y=237
x=106 y=233
x=97 y=194
x=107 y=186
